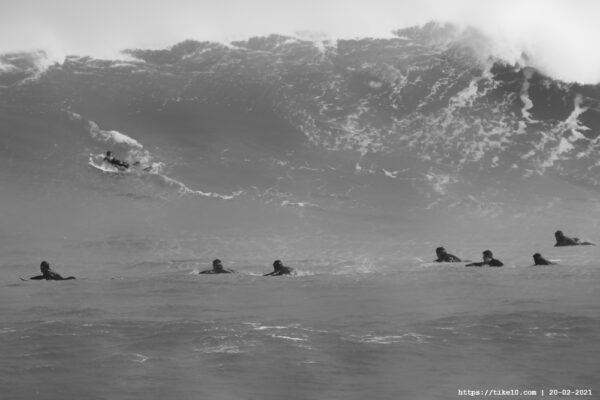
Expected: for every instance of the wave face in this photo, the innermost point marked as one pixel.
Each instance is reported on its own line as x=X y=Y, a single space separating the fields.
x=282 y=132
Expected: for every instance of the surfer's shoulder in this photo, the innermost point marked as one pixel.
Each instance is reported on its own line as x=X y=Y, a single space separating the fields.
x=495 y=263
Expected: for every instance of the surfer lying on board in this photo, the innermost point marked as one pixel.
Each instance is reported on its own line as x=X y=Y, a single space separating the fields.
x=279 y=269
x=539 y=260
x=217 y=268
x=488 y=259
x=109 y=158
x=445 y=257
x=49 y=275
x=562 y=240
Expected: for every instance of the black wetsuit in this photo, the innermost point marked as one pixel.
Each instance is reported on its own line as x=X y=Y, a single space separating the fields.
x=492 y=263
x=567 y=241
x=281 y=271
x=115 y=162
x=446 y=257
x=51 y=276
x=541 y=261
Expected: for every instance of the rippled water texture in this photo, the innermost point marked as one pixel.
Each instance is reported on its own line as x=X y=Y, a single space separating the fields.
x=335 y=332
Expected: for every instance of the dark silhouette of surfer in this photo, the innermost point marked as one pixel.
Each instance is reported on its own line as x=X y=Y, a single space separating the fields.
x=539 y=260
x=443 y=256
x=109 y=158
x=49 y=275
x=562 y=240
x=279 y=269
x=217 y=268
x=488 y=259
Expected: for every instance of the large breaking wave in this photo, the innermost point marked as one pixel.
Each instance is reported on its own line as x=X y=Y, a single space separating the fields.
x=417 y=127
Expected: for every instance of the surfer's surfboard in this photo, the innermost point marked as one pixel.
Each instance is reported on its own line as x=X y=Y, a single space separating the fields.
x=108 y=168
x=98 y=163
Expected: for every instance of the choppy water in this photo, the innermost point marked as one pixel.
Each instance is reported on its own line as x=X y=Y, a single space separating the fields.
x=338 y=330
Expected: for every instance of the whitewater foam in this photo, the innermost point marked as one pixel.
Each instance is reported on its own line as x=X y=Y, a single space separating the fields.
x=527 y=103
x=224 y=348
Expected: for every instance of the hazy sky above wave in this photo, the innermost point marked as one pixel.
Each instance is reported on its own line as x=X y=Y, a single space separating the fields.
x=560 y=35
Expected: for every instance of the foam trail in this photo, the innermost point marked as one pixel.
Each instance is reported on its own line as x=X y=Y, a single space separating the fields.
x=184 y=190
x=4 y=68
x=572 y=121
x=527 y=103
x=301 y=204
x=33 y=65
x=389 y=174
x=571 y=124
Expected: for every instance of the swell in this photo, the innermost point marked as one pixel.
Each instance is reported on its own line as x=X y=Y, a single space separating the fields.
x=335 y=127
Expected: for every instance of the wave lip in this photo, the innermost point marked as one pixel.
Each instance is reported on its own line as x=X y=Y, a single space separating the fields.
x=23 y=67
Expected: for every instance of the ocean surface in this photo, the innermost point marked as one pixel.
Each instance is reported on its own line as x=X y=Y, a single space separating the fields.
x=351 y=161
x=338 y=330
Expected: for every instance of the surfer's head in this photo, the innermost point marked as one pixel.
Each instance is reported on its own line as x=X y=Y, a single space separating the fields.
x=44 y=267
x=487 y=255
x=217 y=265
x=440 y=251
x=277 y=265
x=558 y=234
x=109 y=154
x=537 y=256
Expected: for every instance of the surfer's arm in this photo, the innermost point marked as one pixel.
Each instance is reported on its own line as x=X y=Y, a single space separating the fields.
x=60 y=278
x=479 y=264
x=37 y=278
x=54 y=276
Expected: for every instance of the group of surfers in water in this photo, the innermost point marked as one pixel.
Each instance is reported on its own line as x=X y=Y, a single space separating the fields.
x=217 y=268
x=280 y=269
x=490 y=261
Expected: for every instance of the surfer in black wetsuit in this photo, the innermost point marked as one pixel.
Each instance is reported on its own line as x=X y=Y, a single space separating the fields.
x=562 y=240
x=217 y=268
x=279 y=269
x=488 y=259
x=445 y=257
x=539 y=260
x=109 y=158
x=49 y=275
